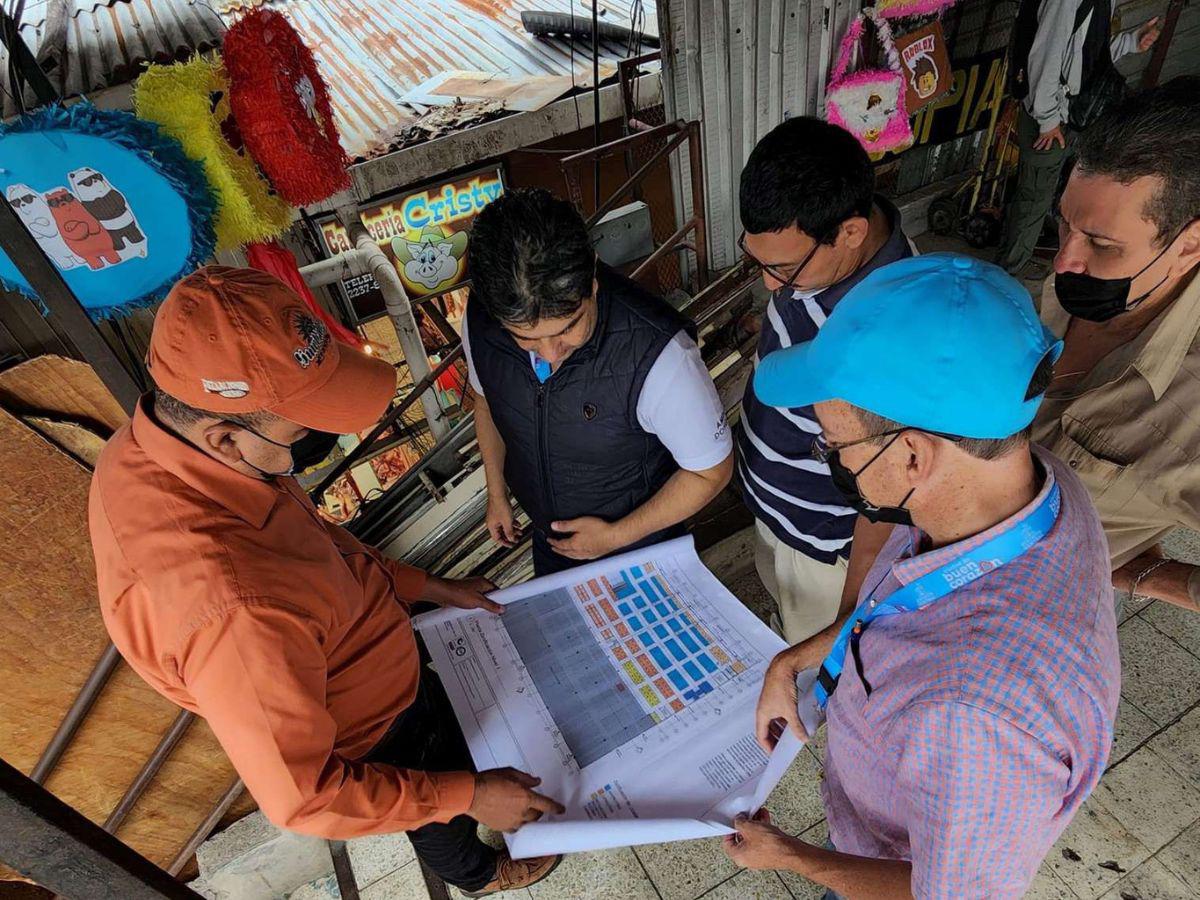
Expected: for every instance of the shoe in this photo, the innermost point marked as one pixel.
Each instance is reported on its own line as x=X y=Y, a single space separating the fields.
x=514 y=874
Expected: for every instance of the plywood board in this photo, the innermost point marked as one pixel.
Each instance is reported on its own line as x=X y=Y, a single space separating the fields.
x=60 y=388
x=52 y=636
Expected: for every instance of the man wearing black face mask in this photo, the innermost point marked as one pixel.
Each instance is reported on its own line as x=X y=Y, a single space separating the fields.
x=970 y=696
x=1125 y=297
x=226 y=591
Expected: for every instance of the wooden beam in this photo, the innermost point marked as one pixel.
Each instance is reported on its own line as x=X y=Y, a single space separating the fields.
x=60 y=849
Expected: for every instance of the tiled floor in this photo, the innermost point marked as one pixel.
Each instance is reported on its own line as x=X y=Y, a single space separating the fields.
x=1137 y=837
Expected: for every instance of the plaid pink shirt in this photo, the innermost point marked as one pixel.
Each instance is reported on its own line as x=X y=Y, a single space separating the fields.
x=991 y=711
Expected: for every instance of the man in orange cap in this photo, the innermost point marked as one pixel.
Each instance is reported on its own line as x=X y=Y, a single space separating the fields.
x=227 y=592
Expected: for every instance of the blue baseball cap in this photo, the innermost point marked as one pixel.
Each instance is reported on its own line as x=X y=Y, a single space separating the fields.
x=939 y=342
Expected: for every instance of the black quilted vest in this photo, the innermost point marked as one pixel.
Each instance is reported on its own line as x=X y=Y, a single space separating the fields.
x=573 y=445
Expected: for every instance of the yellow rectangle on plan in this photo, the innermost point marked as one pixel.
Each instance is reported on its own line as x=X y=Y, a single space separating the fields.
x=634 y=675
x=648 y=693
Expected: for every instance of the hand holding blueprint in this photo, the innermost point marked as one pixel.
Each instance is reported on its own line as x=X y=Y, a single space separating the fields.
x=628 y=686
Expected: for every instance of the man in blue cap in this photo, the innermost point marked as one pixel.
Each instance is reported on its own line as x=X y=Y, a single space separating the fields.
x=970 y=697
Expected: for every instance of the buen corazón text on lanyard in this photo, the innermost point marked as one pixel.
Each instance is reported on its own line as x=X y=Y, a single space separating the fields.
x=931 y=587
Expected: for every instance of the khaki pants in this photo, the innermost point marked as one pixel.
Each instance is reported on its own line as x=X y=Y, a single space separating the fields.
x=807 y=593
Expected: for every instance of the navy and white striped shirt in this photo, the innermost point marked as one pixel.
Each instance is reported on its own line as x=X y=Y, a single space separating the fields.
x=786 y=489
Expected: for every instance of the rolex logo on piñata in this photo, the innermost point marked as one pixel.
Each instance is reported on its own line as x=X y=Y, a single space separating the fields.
x=315 y=337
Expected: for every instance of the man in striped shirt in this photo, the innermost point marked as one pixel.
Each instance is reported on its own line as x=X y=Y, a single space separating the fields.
x=815 y=227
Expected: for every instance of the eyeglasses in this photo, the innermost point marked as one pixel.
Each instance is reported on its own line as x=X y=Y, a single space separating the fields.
x=787 y=281
x=823 y=449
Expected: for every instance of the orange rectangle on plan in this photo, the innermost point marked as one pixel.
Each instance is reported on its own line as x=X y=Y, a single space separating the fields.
x=595 y=616
x=663 y=687
x=609 y=611
x=634 y=646
x=648 y=667
x=676 y=705
x=607 y=633
x=618 y=652
x=719 y=655
x=596 y=592
x=622 y=630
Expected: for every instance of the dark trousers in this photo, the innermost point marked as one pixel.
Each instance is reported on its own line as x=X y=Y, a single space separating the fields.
x=1038 y=175
x=426 y=737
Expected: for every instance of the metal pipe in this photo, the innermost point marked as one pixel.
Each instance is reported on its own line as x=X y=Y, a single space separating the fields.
x=384 y=424
x=671 y=244
x=400 y=311
x=205 y=828
x=596 y=100
x=334 y=269
x=177 y=730
x=75 y=715
x=699 y=209
x=615 y=198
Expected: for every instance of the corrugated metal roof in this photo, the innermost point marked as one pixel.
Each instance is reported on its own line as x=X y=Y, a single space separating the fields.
x=372 y=52
x=107 y=41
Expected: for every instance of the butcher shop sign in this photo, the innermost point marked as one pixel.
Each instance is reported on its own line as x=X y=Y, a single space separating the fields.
x=115 y=206
x=424 y=233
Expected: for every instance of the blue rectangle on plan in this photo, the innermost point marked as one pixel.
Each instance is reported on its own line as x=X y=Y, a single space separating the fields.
x=647 y=639
x=637 y=571
x=676 y=650
x=675 y=626
x=640 y=601
x=661 y=631
x=624 y=589
x=635 y=623
x=648 y=589
x=686 y=619
x=678 y=680
x=660 y=657
x=700 y=637
x=624 y=609
x=689 y=642
x=706 y=661
x=649 y=615
x=694 y=670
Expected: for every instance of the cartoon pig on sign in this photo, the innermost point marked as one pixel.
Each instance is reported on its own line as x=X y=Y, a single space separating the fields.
x=431 y=263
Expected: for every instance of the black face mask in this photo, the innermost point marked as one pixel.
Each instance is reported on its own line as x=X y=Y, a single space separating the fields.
x=846 y=481
x=306 y=452
x=1100 y=299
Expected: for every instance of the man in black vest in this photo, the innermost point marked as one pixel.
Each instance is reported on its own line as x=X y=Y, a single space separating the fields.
x=593 y=405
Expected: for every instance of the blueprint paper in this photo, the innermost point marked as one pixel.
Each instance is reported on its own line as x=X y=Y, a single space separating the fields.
x=628 y=686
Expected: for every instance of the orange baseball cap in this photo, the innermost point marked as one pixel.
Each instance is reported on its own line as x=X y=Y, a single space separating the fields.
x=235 y=341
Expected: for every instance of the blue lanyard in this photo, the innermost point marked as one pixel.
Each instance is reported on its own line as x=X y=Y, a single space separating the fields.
x=959 y=572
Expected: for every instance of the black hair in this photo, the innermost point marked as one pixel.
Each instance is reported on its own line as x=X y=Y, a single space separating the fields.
x=174 y=412
x=531 y=258
x=981 y=448
x=1154 y=132
x=808 y=174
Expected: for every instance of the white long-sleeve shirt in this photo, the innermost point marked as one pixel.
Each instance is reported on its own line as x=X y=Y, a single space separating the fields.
x=1056 y=60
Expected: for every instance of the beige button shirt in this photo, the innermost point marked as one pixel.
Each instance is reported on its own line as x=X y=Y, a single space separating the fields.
x=1131 y=427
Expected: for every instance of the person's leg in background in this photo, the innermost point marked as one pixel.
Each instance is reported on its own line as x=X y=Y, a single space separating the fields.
x=1037 y=180
x=807 y=593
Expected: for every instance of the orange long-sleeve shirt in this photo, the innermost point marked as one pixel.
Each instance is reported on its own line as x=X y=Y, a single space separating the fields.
x=234 y=599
